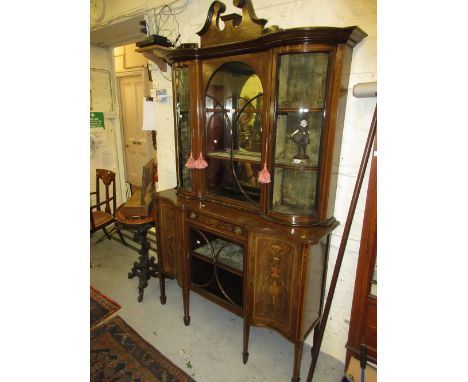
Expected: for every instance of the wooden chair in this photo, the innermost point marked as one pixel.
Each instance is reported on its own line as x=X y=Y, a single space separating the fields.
x=101 y=219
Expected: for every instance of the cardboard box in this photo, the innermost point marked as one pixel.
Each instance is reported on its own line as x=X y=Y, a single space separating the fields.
x=354 y=370
x=133 y=206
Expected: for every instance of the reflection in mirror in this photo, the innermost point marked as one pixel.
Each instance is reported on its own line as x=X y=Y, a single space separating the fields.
x=234 y=104
x=302 y=80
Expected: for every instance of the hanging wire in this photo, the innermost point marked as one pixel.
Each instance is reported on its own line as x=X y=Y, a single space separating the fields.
x=165 y=22
x=162 y=19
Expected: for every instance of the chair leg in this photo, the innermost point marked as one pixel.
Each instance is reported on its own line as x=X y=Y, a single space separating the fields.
x=107 y=234
x=121 y=236
x=101 y=239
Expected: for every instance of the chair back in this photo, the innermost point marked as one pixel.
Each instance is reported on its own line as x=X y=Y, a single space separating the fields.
x=107 y=178
x=147 y=181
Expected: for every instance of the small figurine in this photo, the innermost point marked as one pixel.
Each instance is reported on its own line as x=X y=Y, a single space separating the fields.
x=301 y=138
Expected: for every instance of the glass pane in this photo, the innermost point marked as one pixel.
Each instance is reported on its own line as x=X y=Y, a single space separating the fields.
x=229 y=254
x=237 y=181
x=245 y=142
x=183 y=125
x=216 y=265
x=297 y=149
x=182 y=88
x=302 y=80
x=234 y=103
x=298 y=139
x=301 y=97
x=294 y=191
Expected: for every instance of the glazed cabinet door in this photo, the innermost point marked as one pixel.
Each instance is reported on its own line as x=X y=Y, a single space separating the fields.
x=182 y=121
x=168 y=223
x=236 y=92
x=273 y=273
x=302 y=78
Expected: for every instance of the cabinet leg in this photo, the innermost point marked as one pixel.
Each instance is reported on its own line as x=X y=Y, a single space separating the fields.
x=162 y=286
x=347 y=359
x=315 y=338
x=245 y=353
x=186 y=299
x=297 y=361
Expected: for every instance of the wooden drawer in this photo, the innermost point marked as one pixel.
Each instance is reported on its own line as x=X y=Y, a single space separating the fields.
x=234 y=230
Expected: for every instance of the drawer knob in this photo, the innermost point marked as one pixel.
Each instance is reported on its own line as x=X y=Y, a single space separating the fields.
x=238 y=230
x=192 y=215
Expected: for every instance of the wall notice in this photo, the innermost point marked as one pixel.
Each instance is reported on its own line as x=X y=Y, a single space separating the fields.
x=97 y=120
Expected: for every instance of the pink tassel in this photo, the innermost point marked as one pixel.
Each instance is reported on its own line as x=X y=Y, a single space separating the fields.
x=264 y=175
x=190 y=162
x=200 y=162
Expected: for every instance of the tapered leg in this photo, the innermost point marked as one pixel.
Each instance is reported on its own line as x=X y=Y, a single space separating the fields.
x=297 y=361
x=316 y=333
x=162 y=286
x=245 y=352
x=186 y=298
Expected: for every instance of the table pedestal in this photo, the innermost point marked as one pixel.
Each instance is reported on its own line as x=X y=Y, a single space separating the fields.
x=145 y=267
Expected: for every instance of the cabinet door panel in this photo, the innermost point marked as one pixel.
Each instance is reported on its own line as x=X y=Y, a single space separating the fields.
x=274 y=269
x=168 y=238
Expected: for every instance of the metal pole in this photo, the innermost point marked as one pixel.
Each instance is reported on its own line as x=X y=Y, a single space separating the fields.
x=344 y=241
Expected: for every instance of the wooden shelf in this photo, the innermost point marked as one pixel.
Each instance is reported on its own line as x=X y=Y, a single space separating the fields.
x=247 y=156
x=284 y=110
x=289 y=164
x=231 y=257
x=215 y=110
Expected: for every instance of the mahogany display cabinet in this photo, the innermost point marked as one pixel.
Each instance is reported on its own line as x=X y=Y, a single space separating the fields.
x=258 y=124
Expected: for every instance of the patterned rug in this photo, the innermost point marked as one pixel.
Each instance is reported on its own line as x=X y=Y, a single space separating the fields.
x=101 y=307
x=118 y=353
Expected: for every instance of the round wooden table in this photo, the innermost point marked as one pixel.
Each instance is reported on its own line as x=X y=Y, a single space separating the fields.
x=145 y=267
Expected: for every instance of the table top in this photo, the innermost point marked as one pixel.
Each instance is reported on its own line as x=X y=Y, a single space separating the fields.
x=134 y=220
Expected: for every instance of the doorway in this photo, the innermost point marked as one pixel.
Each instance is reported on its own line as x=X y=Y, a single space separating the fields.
x=137 y=146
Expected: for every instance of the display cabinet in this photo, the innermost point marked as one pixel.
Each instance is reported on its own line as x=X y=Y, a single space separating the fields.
x=258 y=123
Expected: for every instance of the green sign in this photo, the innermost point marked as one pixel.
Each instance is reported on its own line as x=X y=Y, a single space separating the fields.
x=97 y=120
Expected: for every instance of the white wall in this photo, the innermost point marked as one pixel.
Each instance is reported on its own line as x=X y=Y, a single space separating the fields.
x=103 y=98
x=288 y=14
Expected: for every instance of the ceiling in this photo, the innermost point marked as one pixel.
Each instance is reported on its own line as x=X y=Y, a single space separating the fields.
x=118 y=33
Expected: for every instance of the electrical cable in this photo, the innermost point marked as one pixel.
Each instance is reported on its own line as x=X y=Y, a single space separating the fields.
x=165 y=15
